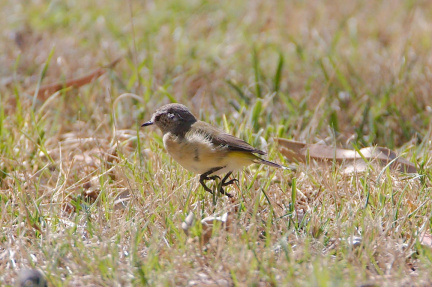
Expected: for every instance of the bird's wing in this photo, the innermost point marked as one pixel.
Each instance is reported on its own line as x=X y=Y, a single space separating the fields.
x=220 y=138
x=235 y=143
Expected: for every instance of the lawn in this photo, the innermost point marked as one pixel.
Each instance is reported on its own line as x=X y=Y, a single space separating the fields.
x=89 y=198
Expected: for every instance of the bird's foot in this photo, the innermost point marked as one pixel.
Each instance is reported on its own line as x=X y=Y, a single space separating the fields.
x=205 y=176
x=214 y=177
x=222 y=191
x=224 y=183
x=221 y=185
x=232 y=181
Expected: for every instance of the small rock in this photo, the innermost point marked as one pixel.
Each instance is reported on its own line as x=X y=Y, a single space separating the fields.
x=31 y=278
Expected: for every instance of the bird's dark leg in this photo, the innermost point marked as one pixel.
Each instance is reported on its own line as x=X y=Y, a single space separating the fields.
x=205 y=176
x=225 y=183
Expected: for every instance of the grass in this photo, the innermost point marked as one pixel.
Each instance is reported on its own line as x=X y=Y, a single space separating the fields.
x=353 y=74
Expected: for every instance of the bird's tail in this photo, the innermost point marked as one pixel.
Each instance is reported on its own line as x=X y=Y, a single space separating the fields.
x=272 y=164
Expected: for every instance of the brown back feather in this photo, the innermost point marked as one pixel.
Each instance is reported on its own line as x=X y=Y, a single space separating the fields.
x=218 y=137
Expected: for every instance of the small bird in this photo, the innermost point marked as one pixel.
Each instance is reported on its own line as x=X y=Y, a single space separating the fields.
x=203 y=149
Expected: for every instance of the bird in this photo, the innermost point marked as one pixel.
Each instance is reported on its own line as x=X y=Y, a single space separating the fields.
x=202 y=148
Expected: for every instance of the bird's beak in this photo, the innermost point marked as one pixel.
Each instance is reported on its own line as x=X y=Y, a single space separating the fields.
x=149 y=123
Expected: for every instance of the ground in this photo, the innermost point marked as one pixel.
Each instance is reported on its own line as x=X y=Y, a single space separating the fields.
x=91 y=199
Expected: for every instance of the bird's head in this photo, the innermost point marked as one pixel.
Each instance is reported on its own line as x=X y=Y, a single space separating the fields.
x=174 y=118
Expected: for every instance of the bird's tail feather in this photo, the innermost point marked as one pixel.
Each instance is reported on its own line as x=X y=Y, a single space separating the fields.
x=269 y=163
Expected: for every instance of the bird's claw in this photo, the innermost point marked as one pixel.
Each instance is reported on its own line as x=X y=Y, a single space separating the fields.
x=232 y=181
x=222 y=184
x=222 y=191
x=214 y=177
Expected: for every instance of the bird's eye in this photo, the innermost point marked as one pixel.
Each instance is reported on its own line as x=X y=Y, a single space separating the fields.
x=157 y=118
x=171 y=116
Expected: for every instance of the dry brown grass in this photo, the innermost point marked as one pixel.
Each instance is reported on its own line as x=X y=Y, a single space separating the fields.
x=353 y=73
